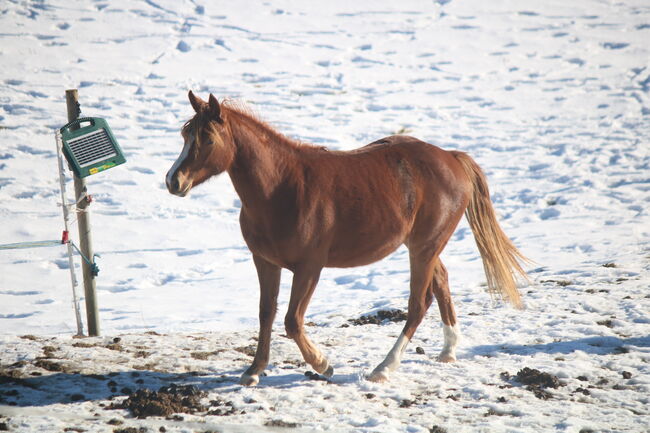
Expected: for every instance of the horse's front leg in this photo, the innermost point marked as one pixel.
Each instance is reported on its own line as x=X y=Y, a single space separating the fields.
x=269 y=277
x=304 y=283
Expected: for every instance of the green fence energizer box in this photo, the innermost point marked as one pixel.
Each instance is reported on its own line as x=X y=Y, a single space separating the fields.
x=90 y=147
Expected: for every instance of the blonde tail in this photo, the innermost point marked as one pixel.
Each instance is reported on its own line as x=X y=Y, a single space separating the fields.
x=500 y=257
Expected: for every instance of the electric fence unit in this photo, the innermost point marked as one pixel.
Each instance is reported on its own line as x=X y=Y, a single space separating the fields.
x=90 y=147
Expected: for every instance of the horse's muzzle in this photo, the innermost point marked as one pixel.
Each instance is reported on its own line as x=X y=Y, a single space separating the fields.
x=177 y=187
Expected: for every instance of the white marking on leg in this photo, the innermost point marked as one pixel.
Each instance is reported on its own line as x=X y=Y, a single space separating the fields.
x=180 y=160
x=392 y=361
x=452 y=335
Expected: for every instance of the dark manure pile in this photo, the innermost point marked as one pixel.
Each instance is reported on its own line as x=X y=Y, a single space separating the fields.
x=166 y=401
x=536 y=381
x=380 y=317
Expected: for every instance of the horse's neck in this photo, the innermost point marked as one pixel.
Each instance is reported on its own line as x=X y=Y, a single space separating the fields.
x=261 y=164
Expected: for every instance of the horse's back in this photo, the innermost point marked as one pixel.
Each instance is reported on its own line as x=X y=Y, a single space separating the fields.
x=403 y=155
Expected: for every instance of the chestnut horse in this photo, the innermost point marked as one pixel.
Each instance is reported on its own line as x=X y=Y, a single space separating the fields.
x=304 y=208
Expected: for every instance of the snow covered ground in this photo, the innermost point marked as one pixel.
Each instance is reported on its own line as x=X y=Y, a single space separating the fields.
x=551 y=98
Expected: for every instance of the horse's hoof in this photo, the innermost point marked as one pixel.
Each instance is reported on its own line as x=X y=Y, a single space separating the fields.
x=446 y=357
x=378 y=376
x=324 y=368
x=249 y=379
x=329 y=372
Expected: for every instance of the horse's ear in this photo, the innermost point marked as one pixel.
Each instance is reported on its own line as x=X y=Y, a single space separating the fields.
x=215 y=109
x=197 y=103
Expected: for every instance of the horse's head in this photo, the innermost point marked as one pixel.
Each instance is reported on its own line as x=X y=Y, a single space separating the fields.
x=208 y=147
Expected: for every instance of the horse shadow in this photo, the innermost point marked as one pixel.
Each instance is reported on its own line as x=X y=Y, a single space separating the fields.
x=592 y=345
x=68 y=388
x=72 y=387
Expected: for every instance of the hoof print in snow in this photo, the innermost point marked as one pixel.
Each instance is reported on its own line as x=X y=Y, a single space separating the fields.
x=183 y=47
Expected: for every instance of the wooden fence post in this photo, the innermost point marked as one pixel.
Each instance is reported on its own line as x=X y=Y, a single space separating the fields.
x=83 y=222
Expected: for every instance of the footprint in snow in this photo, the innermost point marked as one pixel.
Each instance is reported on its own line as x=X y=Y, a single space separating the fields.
x=549 y=213
x=183 y=47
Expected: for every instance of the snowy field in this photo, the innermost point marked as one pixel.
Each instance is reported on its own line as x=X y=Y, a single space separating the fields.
x=551 y=98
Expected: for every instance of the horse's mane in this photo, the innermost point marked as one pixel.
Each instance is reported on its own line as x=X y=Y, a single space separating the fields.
x=240 y=114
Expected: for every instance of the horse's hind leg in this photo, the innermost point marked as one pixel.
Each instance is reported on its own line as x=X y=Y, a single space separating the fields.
x=419 y=301
x=440 y=287
x=304 y=283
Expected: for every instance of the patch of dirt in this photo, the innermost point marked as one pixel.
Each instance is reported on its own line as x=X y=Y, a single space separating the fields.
x=608 y=323
x=9 y=375
x=380 y=317
x=83 y=345
x=115 y=346
x=247 y=350
x=171 y=400
x=131 y=430
x=492 y=412
x=581 y=390
x=280 y=423
x=561 y=283
x=532 y=376
x=166 y=401
x=291 y=363
x=415 y=401
x=48 y=365
x=48 y=351
x=202 y=356
x=535 y=381
x=222 y=408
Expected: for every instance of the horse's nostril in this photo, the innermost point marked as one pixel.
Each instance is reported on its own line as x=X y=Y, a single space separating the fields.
x=175 y=184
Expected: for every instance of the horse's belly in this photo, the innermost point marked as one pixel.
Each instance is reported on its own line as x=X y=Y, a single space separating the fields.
x=362 y=250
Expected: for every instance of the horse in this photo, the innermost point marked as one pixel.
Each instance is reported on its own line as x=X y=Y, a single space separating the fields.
x=304 y=208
